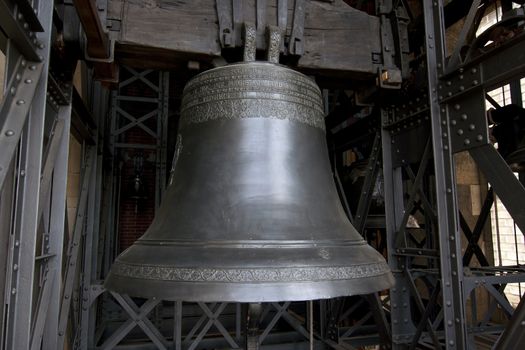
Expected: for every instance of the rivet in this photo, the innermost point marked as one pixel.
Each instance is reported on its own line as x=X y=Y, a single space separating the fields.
x=41 y=46
x=475 y=82
x=452 y=238
x=12 y=90
x=449 y=303
x=445 y=147
x=32 y=67
x=449 y=190
x=451 y=343
x=474 y=70
x=464 y=116
x=19 y=16
x=453 y=122
x=26 y=25
x=23 y=63
x=28 y=81
x=445 y=134
x=22 y=173
x=20 y=102
x=466 y=142
x=18 y=77
x=461 y=88
x=13 y=291
x=460 y=131
x=471 y=126
x=457 y=107
x=15 y=267
x=9 y=133
x=449 y=93
x=479 y=138
x=449 y=83
x=461 y=77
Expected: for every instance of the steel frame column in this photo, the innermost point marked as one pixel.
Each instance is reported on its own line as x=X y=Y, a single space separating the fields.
x=451 y=268
x=16 y=124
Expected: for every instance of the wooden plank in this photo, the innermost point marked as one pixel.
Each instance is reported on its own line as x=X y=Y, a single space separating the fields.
x=183 y=26
x=338 y=39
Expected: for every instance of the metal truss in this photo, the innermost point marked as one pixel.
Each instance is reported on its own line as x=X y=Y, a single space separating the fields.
x=34 y=139
x=434 y=302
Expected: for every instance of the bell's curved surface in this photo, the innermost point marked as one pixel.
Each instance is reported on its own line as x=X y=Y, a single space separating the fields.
x=252 y=213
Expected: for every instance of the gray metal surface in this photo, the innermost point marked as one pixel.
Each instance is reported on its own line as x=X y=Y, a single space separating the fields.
x=252 y=213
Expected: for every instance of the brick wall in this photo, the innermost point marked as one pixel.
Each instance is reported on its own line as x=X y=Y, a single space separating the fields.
x=136 y=212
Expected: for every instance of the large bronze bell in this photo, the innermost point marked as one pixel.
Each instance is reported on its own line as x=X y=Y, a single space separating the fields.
x=251 y=213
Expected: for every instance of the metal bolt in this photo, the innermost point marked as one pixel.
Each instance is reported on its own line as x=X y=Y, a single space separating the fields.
x=449 y=190
x=26 y=25
x=15 y=267
x=32 y=67
x=13 y=291
x=466 y=142
x=41 y=46
x=23 y=63
x=461 y=88
x=20 y=102
x=17 y=243
x=18 y=77
x=449 y=83
x=9 y=133
x=452 y=238
x=457 y=107
x=453 y=122
x=22 y=173
x=451 y=343
x=474 y=70
x=460 y=131
x=445 y=134
x=461 y=77
x=479 y=138
x=449 y=303
x=471 y=126
x=464 y=116
x=475 y=82
x=12 y=90
x=20 y=16
x=28 y=81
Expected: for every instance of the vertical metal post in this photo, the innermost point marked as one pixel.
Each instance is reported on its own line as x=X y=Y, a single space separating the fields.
x=449 y=237
x=57 y=230
x=177 y=326
x=20 y=300
x=394 y=194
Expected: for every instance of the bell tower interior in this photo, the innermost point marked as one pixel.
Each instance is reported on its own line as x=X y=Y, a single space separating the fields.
x=262 y=174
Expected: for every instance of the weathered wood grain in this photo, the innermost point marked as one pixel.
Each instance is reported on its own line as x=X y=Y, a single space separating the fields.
x=164 y=33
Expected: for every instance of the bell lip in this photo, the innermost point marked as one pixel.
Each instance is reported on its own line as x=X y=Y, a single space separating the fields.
x=247 y=292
